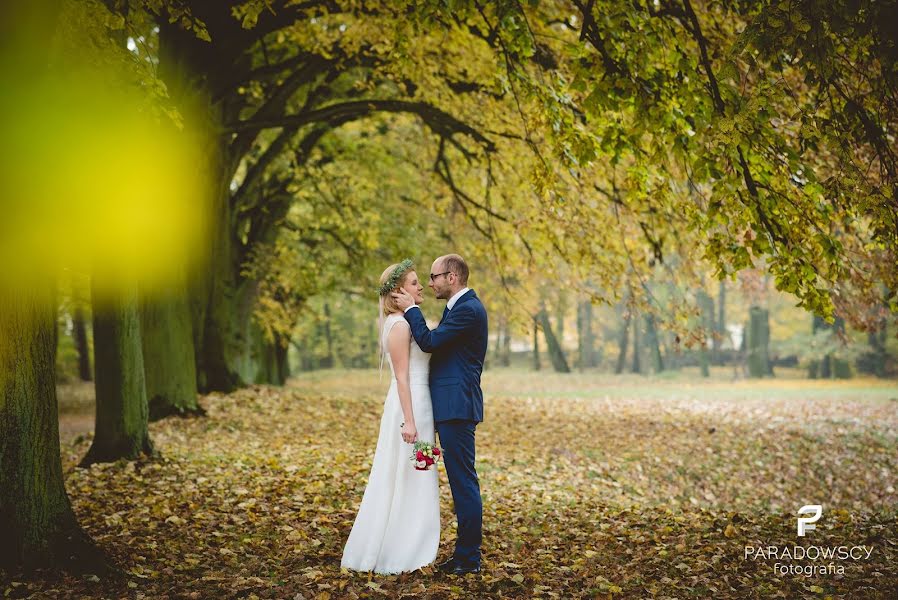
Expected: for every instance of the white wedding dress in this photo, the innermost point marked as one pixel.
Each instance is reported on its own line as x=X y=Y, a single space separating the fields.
x=397 y=528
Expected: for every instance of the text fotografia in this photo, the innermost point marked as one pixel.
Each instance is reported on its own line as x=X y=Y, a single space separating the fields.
x=811 y=553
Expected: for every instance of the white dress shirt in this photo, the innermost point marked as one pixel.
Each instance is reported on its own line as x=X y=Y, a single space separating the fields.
x=455 y=298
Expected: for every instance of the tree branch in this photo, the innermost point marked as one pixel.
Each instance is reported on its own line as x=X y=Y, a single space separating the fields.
x=439 y=121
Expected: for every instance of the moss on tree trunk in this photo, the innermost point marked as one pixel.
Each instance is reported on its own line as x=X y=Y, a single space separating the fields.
x=166 y=336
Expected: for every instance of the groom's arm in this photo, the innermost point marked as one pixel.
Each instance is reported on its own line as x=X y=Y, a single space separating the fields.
x=459 y=320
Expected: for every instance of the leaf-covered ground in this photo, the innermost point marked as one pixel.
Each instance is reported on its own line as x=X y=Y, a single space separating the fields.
x=593 y=486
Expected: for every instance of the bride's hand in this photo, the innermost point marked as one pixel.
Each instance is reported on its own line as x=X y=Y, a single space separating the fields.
x=409 y=433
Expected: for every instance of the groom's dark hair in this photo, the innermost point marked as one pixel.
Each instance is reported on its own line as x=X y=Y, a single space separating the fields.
x=457 y=265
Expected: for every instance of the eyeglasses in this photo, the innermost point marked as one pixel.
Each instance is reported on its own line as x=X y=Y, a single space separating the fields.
x=434 y=277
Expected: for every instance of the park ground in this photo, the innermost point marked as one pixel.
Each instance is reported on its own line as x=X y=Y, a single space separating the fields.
x=594 y=486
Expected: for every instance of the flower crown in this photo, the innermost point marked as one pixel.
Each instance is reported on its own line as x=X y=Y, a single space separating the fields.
x=395 y=276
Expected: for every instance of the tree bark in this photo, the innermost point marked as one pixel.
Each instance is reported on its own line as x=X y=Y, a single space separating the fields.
x=122 y=413
x=80 y=333
x=36 y=518
x=169 y=354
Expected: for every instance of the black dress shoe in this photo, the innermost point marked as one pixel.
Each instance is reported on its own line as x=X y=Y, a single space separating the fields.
x=464 y=570
x=447 y=566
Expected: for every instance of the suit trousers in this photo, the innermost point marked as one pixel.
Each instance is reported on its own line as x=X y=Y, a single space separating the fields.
x=457 y=442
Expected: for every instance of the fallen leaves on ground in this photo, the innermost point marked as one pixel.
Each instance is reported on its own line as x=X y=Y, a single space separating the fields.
x=593 y=486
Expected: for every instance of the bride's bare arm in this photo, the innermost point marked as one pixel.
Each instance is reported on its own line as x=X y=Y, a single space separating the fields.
x=398 y=343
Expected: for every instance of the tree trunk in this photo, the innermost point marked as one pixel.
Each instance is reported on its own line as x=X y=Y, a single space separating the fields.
x=636 y=366
x=215 y=302
x=560 y=311
x=709 y=326
x=586 y=336
x=503 y=343
x=556 y=354
x=328 y=337
x=536 y=365
x=757 y=342
x=166 y=335
x=122 y=413
x=622 y=342
x=874 y=360
x=36 y=518
x=505 y=359
x=275 y=368
x=80 y=333
x=721 y=325
x=651 y=332
x=192 y=69
x=830 y=366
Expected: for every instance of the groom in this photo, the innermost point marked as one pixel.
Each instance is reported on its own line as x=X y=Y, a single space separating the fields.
x=458 y=348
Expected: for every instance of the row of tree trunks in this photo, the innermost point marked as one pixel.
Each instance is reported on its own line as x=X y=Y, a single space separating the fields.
x=830 y=366
x=502 y=349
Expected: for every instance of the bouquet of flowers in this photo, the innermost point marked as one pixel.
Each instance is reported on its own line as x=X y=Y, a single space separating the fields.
x=425 y=455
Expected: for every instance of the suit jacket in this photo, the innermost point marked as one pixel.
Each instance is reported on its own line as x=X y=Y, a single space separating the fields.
x=458 y=349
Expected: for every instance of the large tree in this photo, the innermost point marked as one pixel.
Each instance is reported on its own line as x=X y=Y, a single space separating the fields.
x=35 y=514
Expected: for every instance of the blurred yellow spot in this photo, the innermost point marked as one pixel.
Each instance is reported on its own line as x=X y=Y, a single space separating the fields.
x=94 y=176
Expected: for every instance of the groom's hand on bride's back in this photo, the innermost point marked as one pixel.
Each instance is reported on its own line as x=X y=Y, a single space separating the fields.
x=403 y=299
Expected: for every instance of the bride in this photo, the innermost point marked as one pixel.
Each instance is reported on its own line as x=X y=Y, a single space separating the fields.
x=397 y=528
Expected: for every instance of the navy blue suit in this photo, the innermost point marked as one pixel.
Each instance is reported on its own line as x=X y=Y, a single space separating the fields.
x=458 y=349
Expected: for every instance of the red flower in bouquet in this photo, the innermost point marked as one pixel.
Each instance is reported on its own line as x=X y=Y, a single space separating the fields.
x=426 y=455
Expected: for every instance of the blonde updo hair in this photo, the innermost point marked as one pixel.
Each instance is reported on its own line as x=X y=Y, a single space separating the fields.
x=390 y=305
